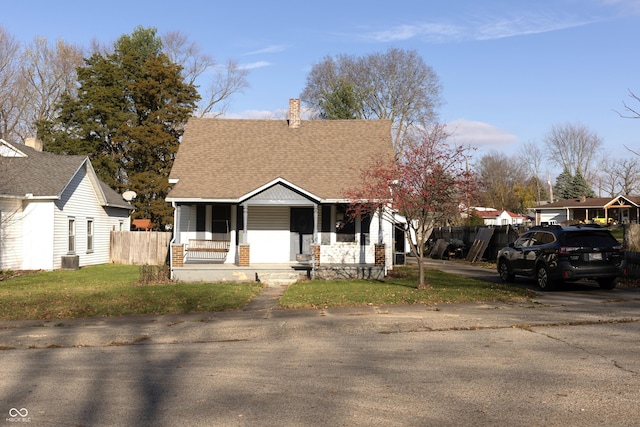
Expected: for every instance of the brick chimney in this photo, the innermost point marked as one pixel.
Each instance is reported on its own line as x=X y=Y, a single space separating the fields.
x=294 y=113
x=34 y=143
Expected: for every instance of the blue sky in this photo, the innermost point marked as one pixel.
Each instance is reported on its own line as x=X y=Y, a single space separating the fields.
x=510 y=69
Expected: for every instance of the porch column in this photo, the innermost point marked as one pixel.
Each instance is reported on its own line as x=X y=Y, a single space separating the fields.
x=245 y=220
x=315 y=224
x=233 y=234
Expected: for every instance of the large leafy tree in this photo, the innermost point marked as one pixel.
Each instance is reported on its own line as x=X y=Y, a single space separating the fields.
x=395 y=85
x=503 y=183
x=573 y=146
x=426 y=185
x=128 y=116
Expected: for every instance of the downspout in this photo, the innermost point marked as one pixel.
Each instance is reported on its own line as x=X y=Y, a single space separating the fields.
x=173 y=238
x=316 y=241
x=380 y=230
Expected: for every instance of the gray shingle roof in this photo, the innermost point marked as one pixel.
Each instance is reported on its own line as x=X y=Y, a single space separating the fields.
x=45 y=175
x=227 y=159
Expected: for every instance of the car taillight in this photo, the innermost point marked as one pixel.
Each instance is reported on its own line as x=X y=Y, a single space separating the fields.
x=566 y=250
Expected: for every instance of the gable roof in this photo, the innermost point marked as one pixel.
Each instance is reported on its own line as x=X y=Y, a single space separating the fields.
x=589 y=203
x=29 y=173
x=226 y=159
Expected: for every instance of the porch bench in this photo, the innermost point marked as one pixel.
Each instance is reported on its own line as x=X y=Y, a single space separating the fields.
x=203 y=247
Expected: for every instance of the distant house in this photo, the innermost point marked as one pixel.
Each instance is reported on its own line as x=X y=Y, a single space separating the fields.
x=602 y=210
x=54 y=211
x=495 y=217
x=272 y=192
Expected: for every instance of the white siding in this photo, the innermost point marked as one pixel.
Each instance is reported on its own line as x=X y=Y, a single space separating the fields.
x=80 y=201
x=268 y=234
x=549 y=216
x=10 y=234
x=37 y=236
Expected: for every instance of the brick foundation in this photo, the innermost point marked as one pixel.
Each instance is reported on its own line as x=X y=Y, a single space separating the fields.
x=243 y=256
x=177 y=255
x=380 y=257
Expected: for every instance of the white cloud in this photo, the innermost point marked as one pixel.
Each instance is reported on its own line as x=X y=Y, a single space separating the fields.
x=254 y=65
x=478 y=28
x=532 y=24
x=479 y=135
x=269 y=49
x=431 y=31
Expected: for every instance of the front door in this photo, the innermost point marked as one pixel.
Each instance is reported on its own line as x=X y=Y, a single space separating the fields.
x=301 y=227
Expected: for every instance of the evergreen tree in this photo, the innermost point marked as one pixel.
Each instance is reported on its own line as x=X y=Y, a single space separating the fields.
x=340 y=103
x=563 y=184
x=128 y=116
x=580 y=187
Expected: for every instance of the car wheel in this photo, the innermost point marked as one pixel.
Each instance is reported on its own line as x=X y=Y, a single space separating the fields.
x=542 y=277
x=607 y=283
x=505 y=273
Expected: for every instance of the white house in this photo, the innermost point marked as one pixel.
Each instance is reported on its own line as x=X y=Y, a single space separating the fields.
x=54 y=211
x=252 y=192
x=497 y=217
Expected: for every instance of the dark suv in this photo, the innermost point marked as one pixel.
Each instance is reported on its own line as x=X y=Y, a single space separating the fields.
x=554 y=253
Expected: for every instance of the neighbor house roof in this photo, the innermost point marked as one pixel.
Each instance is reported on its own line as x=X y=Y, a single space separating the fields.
x=589 y=203
x=228 y=159
x=27 y=172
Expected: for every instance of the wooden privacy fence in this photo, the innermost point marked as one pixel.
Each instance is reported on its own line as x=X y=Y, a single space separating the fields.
x=140 y=247
x=481 y=242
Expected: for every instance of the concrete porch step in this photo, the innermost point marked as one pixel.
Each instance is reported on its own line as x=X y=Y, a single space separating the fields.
x=280 y=277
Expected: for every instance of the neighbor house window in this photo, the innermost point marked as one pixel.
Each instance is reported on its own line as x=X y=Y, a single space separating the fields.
x=89 y=235
x=72 y=235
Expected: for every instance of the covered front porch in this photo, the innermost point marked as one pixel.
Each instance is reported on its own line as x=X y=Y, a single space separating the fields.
x=279 y=232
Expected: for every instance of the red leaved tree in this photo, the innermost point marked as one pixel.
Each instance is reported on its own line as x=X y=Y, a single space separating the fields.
x=425 y=185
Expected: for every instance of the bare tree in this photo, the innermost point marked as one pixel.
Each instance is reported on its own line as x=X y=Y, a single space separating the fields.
x=629 y=172
x=503 y=184
x=631 y=113
x=395 y=85
x=11 y=93
x=620 y=176
x=574 y=147
x=222 y=81
x=49 y=71
x=532 y=155
x=608 y=177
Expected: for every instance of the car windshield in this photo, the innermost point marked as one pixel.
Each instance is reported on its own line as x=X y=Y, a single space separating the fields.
x=590 y=239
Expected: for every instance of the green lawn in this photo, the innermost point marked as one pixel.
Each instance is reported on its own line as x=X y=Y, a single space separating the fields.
x=114 y=290
x=399 y=288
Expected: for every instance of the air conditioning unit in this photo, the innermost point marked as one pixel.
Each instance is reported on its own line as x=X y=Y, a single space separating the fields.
x=399 y=258
x=70 y=262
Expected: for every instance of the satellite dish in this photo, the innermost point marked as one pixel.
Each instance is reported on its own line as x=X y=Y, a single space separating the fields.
x=129 y=195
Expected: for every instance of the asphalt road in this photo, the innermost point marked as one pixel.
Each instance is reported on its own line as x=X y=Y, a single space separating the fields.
x=567 y=358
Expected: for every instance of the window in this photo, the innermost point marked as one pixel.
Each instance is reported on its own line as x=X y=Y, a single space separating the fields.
x=90 y=235
x=72 y=235
x=345 y=226
x=201 y=218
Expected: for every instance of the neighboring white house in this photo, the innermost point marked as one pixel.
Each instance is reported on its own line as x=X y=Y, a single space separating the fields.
x=497 y=217
x=274 y=191
x=53 y=207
